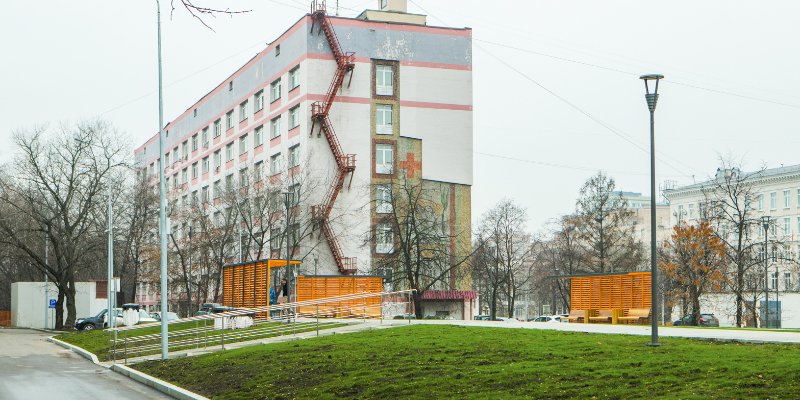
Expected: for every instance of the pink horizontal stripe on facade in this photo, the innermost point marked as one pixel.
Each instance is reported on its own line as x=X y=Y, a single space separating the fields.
x=360 y=23
x=418 y=64
x=436 y=106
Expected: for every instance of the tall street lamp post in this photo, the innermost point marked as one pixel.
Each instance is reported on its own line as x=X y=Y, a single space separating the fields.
x=766 y=220
x=652 y=99
x=288 y=198
x=162 y=203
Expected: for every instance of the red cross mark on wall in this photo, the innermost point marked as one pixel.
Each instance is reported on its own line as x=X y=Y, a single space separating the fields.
x=411 y=165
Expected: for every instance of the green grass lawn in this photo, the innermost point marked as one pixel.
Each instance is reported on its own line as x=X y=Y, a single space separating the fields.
x=99 y=341
x=440 y=361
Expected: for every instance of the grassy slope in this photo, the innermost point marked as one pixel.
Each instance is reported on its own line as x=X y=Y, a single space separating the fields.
x=454 y=362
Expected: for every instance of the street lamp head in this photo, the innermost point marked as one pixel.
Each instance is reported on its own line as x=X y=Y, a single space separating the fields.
x=766 y=220
x=652 y=98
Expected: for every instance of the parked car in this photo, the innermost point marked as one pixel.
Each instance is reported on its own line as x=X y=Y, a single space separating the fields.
x=171 y=316
x=91 y=323
x=405 y=316
x=144 y=317
x=207 y=308
x=481 y=318
x=547 y=318
x=705 y=320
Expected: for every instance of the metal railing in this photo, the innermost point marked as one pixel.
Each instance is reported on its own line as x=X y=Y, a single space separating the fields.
x=213 y=332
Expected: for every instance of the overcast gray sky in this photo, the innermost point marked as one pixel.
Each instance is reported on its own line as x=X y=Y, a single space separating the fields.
x=556 y=89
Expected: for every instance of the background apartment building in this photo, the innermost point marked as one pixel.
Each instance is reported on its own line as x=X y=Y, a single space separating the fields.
x=773 y=193
x=395 y=95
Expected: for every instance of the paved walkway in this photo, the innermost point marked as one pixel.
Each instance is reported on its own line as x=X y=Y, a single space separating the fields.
x=32 y=368
x=744 y=335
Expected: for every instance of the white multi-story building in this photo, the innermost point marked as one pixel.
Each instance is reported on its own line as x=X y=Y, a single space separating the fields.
x=354 y=104
x=773 y=193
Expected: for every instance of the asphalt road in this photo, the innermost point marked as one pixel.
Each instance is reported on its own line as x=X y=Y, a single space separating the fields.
x=31 y=368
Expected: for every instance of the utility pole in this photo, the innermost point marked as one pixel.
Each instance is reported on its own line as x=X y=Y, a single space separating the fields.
x=46 y=284
x=162 y=203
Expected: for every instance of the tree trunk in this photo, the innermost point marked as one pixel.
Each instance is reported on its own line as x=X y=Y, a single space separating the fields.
x=71 y=310
x=739 y=296
x=493 y=305
x=416 y=298
x=695 y=304
x=59 y=322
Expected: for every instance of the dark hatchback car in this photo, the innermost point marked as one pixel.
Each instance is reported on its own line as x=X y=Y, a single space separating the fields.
x=704 y=320
x=91 y=323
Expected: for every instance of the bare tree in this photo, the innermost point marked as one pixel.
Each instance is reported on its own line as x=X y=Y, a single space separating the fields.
x=503 y=228
x=55 y=191
x=413 y=241
x=605 y=224
x=728 y=207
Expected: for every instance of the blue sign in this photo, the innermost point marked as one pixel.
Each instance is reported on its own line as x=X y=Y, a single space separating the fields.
x=52 y=303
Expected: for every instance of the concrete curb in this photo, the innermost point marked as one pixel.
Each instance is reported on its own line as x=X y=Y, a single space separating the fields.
x=157 y=384
x=81 y=351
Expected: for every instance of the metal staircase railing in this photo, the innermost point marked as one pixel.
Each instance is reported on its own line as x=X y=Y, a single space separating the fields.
x=345 y=163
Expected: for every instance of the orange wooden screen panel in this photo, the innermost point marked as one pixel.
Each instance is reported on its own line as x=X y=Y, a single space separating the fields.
x=320 y=287
x=616 y=291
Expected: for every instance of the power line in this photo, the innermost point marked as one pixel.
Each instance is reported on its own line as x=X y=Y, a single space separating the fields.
x=564 y=166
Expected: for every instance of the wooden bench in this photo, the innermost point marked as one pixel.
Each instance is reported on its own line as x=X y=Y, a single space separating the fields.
x=602 y=316
x=576 y=315
x=636 y=315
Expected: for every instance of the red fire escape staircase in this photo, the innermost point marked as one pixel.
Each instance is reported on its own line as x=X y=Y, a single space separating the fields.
x=345 y=163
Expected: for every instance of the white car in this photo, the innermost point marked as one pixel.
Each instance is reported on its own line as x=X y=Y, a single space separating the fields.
x=171 y=316
x=144 y=317
x=548 y=318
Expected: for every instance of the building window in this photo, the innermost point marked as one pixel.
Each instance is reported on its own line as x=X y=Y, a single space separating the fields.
x=773 y=280
x=787 y=281
x=194 y=142
x=243 y=111
x=787 y=199
x=229 y=152
x=787 y=226
x=258 y=136
x=275 y=128
x=229 y=182
x=243 y=177
x=277 y=50
x=204 y=137
x=294 y=117
x=258 y=170
x=384 y=80
x=294 y=77
x=384 y=158
x=194 y=198
x=773 y=200
x=185 y=176
x=294 y=195
x=383 y=199
x=243 y=144
x=230 y=86
x=229 y=120
x=294 y=156
x=275 y=90
x=760 y=202
x=383 y=119
x=384 y=239
x=204 y=194
x=185 y=149
x=217 y=189
x=217 y=159
x=259 y=101
x=217 y=128
x=798 y=198
x=275 y=166
x=175 y=181
x=275 y=239
x=205 y=165
x=195 y=113
x=691 y=210
x=195 y=169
